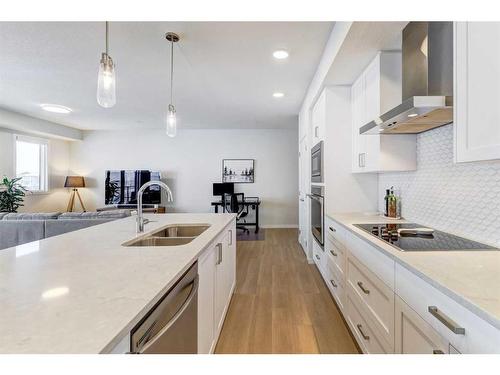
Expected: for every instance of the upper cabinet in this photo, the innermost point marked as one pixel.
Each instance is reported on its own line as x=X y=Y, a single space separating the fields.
x=377 y=90
x=477 y=91
x=318 y=119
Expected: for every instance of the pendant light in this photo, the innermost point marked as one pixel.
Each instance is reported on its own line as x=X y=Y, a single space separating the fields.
x=106 y=86
x=171 y=116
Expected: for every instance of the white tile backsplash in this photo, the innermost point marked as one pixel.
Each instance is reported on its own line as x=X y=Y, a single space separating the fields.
x=462 y=198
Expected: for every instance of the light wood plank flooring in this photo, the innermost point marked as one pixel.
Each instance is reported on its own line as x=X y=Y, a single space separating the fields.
x=281 y=304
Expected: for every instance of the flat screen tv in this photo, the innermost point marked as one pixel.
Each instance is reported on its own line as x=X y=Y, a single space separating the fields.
x=121 y=187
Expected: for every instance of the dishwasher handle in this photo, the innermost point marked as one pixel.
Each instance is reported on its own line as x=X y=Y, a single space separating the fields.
x=178 y=314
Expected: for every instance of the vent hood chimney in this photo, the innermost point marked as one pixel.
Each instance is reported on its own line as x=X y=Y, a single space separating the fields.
x=427 y=101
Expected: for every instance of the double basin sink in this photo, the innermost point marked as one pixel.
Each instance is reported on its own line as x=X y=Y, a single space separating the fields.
x=172 y=235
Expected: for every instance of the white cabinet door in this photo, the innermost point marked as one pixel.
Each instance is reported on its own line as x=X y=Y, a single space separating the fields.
x=372 y=111
x=414 y=335
x=319 y=118
x=358 y=118
x=372 y=90
x=220 y=288
x=477 y=91
x=230 y=259
x=304 y=183
x=379 y=85
x=224 y=276
x=206 y=301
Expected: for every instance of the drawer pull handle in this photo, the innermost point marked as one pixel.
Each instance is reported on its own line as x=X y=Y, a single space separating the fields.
x=219 y=254
x=333 y=283
x=332 y=229
x=450 y=324
x=360 y=329
x=333 y=253
x=317 y=257
x=365 y=291
x=437 y=351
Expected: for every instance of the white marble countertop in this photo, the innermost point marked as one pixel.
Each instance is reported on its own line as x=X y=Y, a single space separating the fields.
x=82 y=292
x=471 y=278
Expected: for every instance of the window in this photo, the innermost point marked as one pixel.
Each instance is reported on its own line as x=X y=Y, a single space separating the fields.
x=31 y=163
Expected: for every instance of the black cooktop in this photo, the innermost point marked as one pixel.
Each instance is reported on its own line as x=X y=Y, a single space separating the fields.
x=438 y=241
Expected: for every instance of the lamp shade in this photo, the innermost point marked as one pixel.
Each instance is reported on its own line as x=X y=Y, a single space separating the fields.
x=74 y=182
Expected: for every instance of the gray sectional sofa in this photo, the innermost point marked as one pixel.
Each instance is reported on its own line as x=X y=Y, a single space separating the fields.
x=19 y=228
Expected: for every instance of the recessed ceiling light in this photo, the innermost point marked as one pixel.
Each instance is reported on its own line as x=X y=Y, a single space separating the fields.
x=56 y=108
x=413 y=115
x=55 y=292
x=280 y=54
x=278 y=95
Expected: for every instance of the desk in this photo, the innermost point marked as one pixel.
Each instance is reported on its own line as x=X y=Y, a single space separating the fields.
x=253 y=202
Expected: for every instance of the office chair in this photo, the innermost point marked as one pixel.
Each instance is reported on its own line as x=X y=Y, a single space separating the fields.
x=232 y=204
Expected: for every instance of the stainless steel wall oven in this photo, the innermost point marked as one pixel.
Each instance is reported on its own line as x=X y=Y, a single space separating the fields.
x=317 y=214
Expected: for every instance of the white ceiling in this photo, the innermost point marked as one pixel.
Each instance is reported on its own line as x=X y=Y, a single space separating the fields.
x=225 y=74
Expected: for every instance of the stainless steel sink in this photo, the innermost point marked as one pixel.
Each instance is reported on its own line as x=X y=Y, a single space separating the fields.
x=181 y=231
x=161 y=241
x=172 y=235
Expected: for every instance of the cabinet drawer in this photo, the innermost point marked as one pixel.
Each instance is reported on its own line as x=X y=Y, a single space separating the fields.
x=444 y=315
x=365 y=335
x=336 y=287
x=319 y=256
x=335 y=230
x=335 y=257
x=381 y=265
x=375 y=299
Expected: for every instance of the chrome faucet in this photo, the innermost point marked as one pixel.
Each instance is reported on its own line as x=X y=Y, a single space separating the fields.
x=140 y=219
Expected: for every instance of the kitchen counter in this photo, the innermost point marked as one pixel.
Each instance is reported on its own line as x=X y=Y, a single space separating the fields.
x=82 y=292
x=471 y=278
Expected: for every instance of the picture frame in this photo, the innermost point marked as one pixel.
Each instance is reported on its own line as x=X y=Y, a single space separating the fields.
x=238 y=171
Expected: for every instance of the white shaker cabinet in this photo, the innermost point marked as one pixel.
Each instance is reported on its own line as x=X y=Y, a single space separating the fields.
x=358 y=118
x=206 y=301
x=217 y=276
x=414 y=335
x=377 y=90
x=477 y=91
x=318 y=119
x=224 y=276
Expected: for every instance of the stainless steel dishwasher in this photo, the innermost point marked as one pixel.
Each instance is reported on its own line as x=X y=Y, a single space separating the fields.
x=171 y=327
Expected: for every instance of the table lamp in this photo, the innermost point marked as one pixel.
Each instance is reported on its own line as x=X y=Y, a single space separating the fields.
x=74 y=182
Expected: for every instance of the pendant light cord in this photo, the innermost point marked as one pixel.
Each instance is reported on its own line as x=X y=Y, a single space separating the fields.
x=171 y=71
x=107 y=37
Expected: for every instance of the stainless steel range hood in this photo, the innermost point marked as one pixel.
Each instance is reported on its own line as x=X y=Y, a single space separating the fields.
x=427 y=82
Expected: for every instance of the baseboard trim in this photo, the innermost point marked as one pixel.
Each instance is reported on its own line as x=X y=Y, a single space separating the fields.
x=276 y=226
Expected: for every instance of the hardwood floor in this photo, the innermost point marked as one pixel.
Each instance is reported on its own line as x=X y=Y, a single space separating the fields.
x=281 y=304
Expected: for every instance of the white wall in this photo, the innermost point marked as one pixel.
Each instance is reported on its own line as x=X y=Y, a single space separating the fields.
x=192 y=161
x=58 y=163
x=459 y=198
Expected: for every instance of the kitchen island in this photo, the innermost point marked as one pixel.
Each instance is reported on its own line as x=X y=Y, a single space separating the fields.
x=83 y=292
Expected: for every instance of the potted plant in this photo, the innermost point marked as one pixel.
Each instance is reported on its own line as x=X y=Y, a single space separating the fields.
x=11 y=194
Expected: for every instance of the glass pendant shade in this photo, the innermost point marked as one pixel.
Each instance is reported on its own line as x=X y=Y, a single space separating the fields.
x=171 y=121
x=106 y=84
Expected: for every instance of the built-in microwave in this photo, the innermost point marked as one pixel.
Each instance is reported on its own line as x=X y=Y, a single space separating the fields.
x=317 y=163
